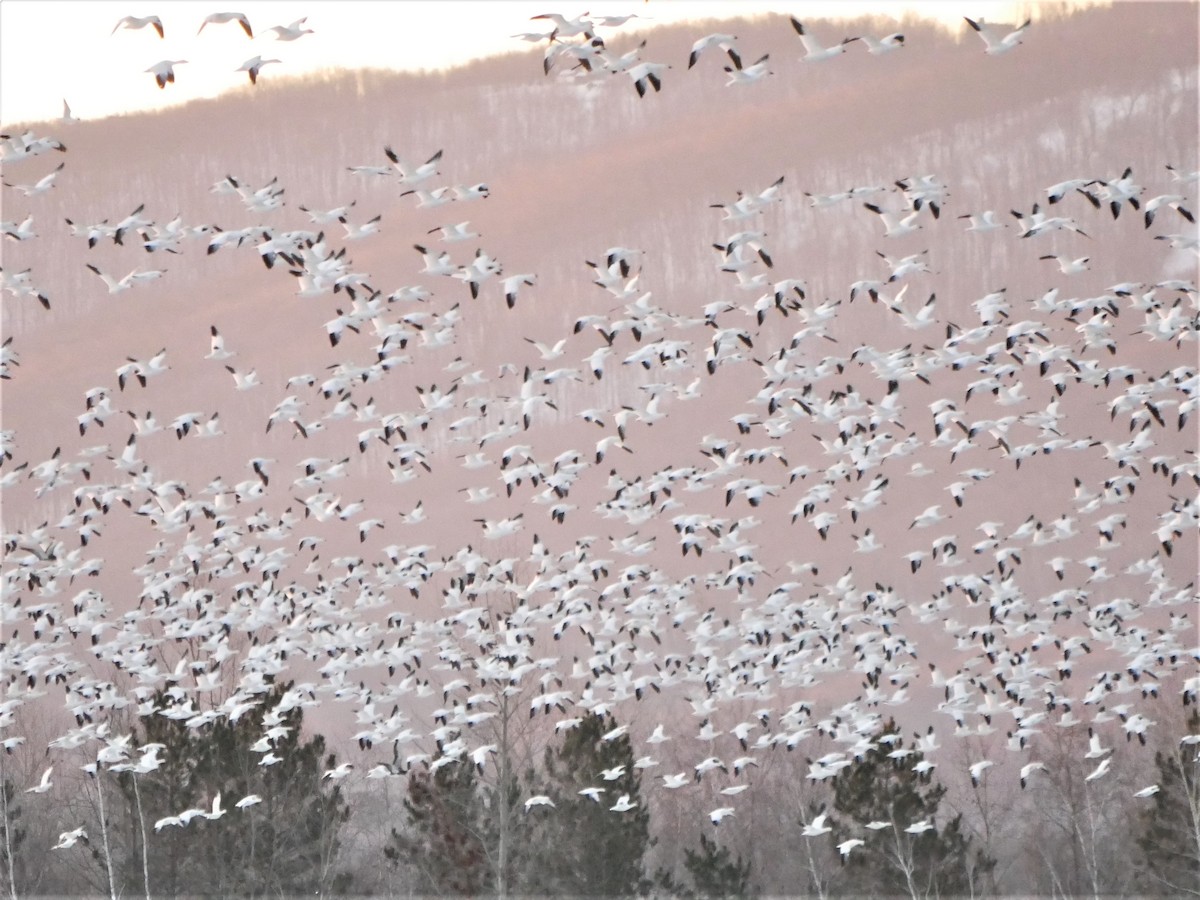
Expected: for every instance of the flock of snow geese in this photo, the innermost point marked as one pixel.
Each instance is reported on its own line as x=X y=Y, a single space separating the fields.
x=592 y=624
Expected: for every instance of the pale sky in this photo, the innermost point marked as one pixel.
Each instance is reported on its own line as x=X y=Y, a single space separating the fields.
x=52 y=50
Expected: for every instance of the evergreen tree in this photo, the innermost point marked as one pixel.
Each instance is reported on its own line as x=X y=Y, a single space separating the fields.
x=444 y=841
x=286 y=844
x=581 y=846
x=714 y=873
x=1170 y=835
x=884 y=787
x=14 y=836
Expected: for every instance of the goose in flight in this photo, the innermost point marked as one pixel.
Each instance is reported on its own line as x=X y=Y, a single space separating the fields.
x=44 y=785
x=756 y=71
x=814 y=51
x=1067 y=265
x=133 y=23
x=886 y=44
x=292 y=32
x=995 y=43
x=564 y=27
x=647 y=73
x=164 y=71
x=46 y=182
x=817 y=827
x=252 y=66
x=223 y=17
x=68 y=839
x=725 y=41
x=538 y=800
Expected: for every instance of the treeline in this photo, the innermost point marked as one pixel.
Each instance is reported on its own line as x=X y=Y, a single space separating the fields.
x=253 y=808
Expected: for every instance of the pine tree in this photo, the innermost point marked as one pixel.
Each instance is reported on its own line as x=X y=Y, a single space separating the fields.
x=1170 y=835
x=884 y=787
x=581 y=846
x=714 y=873
x=285 y=844
x=444 y=841
x=14 y=836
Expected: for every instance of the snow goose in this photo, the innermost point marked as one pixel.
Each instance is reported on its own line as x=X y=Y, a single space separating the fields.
x=292 y=32
x=624 y=804
x=726 y=42
x=896 y=223
x=512 y=286
x=994 y=42
x=564 y=27
x=814 y=51
x=647 y=73
x=453 y=233
x=164 y=71
x=223 y=17
x=413 y=174
x=133 y=23
x=44 y=785
x=1153 y=205
x=252 y=66
x=68 y=839
x=1067 y=265
x=756 y=71
x=718 y=814
x=984 y=221
x=886 y=44
x=816 y=827
x=46 y=182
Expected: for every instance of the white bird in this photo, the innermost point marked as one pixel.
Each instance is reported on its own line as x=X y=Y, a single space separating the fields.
x=647 y=73
x=1028 y=769
x=896 y=224
x=44 y=183
x=886 y=44
x=512 y=285
x=725 y=41
x=223 y=17
x=44 y=785
x=564 y=27
x=995 y=43
x=68 y=839
x=252 y=66
x=1067 y=265
x=624 y=804
x=248 y=801
x=984 y=221
x=538 y=800
x=846 y=846
x=216 y=811
x=919 y=827
x=816 y=827
x=133 y=22
x=292 y=32
x=814 y=51
x=1171 y=201
x=977 y=770
x=1147 y=791
x=217 y=349
x=756 y=71
x=718 y=814
x=164 y=71
x=1100 y=769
